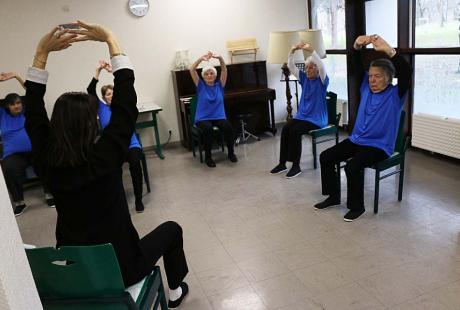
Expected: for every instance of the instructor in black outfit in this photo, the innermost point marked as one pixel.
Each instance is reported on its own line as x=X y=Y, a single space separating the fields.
x=84 y=171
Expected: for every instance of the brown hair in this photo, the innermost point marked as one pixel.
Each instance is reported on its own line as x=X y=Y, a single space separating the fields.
x=105 y=88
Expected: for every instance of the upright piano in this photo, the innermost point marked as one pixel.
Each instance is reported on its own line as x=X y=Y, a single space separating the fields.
x=246 y=91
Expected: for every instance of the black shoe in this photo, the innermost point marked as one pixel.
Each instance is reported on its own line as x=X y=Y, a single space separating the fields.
x=278 y=169
x=353 y=215
x=295 y=171
x=328 y=202
x=210 y=163
x=139 y=206
x=18 y=210
x=232 y=157
x=50 y=202
x=174 y=304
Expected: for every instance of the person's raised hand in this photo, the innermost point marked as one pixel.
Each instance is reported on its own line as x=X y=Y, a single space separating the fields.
x=206 y=57
x=104 y=65
x=362 y=41
x=5 y=76
x=91 y=32
x=55 y=40
x=215 y=55
x=380 y=44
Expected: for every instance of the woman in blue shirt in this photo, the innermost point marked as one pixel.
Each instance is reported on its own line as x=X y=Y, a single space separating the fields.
x=312 y=111
x=135 y=150
x=210 y=109
x=16 y=147
x=374 y=133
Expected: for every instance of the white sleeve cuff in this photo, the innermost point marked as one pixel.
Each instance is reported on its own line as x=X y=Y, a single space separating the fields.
x=37 y=75
x=121 y=62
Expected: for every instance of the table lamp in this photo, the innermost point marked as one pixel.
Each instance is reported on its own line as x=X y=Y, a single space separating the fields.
x=279 y=46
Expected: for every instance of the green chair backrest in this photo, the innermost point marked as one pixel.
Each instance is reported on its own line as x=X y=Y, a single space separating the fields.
x=400 y=141
x=76 y=271
x=193 y=103
x=331 y=99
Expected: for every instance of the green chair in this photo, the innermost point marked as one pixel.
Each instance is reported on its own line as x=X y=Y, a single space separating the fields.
x=196 y=133
x=331 y=129
x=396 y=159
x=89 y=278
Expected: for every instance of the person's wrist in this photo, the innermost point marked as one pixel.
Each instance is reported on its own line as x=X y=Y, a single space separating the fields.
x=391 y=52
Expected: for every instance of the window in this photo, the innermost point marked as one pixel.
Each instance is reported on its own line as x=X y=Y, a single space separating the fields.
x=437 y=85
x=381 y=19
x=329 y=16
x=336 y=68
x=437 y=23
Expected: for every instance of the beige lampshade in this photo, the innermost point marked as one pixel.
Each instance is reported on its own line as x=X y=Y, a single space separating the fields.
x=279 y=45
x=315 y=38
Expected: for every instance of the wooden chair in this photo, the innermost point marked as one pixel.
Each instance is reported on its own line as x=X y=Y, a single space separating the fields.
x=331 y=129
x=89 y=278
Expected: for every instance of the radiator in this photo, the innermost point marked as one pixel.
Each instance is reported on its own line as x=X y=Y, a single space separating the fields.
x=437 y=134
x=342 y=107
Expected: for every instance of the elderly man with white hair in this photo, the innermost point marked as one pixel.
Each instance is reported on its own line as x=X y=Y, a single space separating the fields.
x=210 y=109
x=312 y=111
x=375 y=130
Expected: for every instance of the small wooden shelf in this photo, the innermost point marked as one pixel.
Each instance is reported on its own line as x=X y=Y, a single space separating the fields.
x=242 y=47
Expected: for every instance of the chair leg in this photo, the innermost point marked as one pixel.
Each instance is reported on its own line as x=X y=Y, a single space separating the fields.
x=401 y=180
x=376 y=191
x=162 y=297
x=337 y=136
x=313 y=146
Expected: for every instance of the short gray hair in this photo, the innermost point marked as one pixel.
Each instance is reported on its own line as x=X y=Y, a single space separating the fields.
x=207 y=68
x=387 y=67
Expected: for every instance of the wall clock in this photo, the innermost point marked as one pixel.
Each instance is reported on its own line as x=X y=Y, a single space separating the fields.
x=138 y=7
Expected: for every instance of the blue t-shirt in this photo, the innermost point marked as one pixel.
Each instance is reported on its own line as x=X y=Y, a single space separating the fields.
x=104 y=112
x=14 y=135
x=210 y=102
x=378 y=117
x=313 y=106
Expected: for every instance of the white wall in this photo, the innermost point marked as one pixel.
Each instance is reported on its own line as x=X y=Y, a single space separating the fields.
x=151 y=42
x=17 y=288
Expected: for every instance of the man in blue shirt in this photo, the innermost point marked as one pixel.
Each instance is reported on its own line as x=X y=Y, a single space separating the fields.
x=312 y=111
x=374 y=134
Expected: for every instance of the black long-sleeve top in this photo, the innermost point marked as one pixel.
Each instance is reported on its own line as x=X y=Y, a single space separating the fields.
x=90 y=198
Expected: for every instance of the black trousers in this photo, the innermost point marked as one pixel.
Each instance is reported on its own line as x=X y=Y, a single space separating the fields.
x=226 y=128
x=166 y=240
x=14 y=170
x=134 y=160
x=291 y=140
x=358 y=157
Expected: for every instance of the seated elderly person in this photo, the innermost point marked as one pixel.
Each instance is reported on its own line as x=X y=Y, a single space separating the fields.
x=16 y=147
x=210 y=110
x=312 y=111
x=104 y=113
x=374 y=134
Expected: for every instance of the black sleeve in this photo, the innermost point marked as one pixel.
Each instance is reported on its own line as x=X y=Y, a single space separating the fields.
x=111 y=148
x=358 y=62
x=91 y=89
x=403 y=73
x=37 y=122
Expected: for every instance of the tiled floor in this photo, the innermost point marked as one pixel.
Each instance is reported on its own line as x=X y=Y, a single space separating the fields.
x=253 y=240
